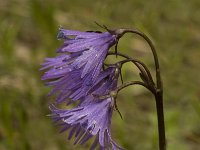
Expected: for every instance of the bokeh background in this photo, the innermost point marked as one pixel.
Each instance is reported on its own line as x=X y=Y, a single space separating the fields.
x=28 y=31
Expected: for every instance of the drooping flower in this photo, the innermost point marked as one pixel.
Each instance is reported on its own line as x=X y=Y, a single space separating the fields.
x=79 y=63
x=72 y=87
x=93 y=116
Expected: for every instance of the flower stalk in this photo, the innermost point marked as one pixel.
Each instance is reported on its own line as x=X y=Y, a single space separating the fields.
x=161 y=123
x=158 y=94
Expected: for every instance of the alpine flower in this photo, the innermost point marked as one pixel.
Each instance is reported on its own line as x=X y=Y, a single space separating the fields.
x=78 y=64
x=78 y=73
x=93 y=116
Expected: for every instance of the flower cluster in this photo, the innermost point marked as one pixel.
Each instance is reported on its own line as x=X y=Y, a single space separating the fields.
x=77 y=74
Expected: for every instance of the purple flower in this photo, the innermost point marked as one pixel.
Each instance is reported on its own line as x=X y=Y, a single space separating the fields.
x=86 y=50
x=93 y=116
x=79 y=63
x=71 y=87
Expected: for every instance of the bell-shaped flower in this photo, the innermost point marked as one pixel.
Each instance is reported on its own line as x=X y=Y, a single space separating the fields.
x=93 y=115
x=78 y=64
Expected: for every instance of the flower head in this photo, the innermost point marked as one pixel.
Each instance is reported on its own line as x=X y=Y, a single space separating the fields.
x=79 y=63
x=93 y=116
x=86 y=50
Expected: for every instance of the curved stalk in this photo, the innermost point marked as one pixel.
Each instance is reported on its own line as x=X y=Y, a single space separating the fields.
x=159 y=87
x=155 y=56
x=134 y=83
x=144 y=70
x=159 y=93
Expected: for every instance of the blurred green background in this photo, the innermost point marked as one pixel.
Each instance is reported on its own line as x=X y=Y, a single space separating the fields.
x=28 y=34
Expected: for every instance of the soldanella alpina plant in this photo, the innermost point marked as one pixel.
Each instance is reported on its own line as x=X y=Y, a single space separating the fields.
x=79 y=74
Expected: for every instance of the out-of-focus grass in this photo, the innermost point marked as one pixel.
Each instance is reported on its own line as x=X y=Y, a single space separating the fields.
x=28 y=35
